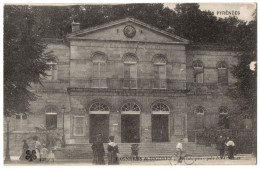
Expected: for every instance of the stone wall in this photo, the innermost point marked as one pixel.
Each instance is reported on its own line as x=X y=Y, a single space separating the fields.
x=81 y=68
x=210 y=58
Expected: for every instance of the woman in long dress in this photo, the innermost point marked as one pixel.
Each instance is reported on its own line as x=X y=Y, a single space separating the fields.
x=98 y=151
x=230 y=147
x=25 y=148
x=113 y=150
x=38 y=147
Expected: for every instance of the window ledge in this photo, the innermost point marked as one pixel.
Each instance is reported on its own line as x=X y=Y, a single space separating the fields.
x=17 y=131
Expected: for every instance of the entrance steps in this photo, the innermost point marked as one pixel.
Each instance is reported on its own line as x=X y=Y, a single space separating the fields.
x=84 y=151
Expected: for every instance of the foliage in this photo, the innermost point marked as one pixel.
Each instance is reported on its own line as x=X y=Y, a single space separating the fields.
x=244 y=91
x=49 y=137
x=24 y=58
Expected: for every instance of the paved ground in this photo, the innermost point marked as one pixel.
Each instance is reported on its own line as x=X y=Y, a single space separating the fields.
x=239 y=160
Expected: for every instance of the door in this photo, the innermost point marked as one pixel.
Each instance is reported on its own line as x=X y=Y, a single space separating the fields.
x=99 y=124
x=130 y=127
x=160 y=130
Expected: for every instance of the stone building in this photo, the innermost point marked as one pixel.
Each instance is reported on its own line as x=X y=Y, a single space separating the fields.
x=133 y=81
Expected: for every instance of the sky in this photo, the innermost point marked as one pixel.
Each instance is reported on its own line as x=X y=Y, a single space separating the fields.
x=244 y=10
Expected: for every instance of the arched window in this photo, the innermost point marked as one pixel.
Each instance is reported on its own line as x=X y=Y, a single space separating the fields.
x=99 y=70
x=99 y=108
x=130 y=108
x=222 y=73
x=160 y=108
x=223 y=121
x=52 y=73
x=159 y=61
x=198 y=69
x=51 y=117
x=130 y=70
x=200 y=117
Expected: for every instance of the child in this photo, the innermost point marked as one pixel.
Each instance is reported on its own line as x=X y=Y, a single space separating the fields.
x=51 y=156
x=44 y=153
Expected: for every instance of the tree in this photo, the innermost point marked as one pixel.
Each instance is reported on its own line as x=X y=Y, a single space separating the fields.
x=244 y=91
x=24 y=58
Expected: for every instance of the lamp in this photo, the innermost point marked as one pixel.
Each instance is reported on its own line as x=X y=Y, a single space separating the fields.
x=63 y=135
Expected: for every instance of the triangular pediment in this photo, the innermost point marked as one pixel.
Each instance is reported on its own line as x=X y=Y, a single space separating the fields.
x=127 y=29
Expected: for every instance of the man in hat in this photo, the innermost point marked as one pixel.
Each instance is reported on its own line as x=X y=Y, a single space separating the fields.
x=98 y=151
x=179 y=150
x=221 y=146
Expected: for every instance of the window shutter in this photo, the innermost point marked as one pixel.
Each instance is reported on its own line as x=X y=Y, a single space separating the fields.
x=55 y=72
x=102 y=70
x=95 y=70
x=127 y=71
x=199 y=78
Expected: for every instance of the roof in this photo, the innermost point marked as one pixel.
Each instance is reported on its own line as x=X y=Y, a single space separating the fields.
x=121 y=21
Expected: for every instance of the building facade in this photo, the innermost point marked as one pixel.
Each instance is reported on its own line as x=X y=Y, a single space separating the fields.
x=132 y=81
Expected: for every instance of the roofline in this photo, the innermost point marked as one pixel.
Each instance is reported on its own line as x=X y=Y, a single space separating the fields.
x=129 y=41
x=113 y=23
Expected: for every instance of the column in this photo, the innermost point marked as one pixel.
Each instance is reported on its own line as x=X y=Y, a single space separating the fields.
x=145 y=127
x=115 y=126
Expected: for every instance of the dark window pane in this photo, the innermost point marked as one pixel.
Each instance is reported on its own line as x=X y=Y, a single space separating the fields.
x=51 y=121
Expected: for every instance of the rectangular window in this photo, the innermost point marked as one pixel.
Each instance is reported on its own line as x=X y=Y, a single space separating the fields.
x=198 y=78
x=130 y=76
x=160 y=76
x=51 y=121
x=21 y=122
x=222 y=76
x=99 y=75
x=52 y=74
x=78 y=128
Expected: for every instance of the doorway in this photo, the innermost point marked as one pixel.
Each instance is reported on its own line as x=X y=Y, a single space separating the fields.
x=99 y=124
x=130 y=127
x=160 y=129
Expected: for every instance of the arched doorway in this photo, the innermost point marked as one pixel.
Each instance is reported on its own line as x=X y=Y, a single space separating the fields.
x=130 y=123
x=160 y=122
x=98 y=121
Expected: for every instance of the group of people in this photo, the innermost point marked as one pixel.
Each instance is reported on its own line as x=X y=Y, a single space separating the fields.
x=99 y=151
x=226 y=145
x=41 y=152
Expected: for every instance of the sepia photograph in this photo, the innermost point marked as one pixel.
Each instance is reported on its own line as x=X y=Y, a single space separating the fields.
x=129 y=84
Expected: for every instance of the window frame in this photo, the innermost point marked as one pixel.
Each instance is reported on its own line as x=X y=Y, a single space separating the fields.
x=52 y=76
x=130 y=111
x=22 y=122
x=200 y=115
x=165 y=74
x=51 y=114
x=220 y=67
x=199 y=70
x=161 y=112
x=74 y=125
x=99 y=78
x=130 y=86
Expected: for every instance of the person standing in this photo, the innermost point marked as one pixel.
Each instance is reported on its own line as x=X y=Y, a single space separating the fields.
x=44 y=153
x=98 y=151
x=221 y=145
x=230 y=147
x=113 y=150
x=179 y=150
x=38 y=147
x=25 y=148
